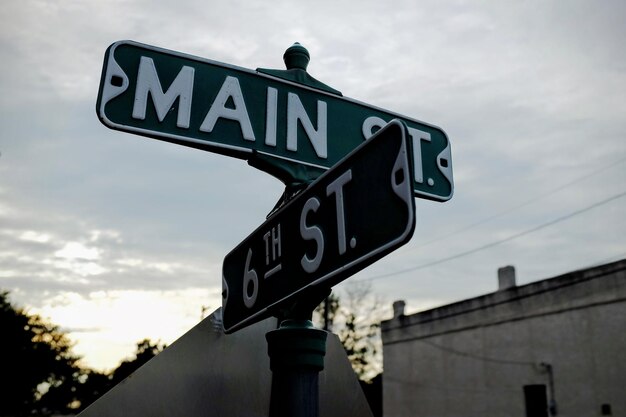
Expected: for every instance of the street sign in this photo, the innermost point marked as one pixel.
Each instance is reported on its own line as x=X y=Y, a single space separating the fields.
x=291 y=130
x=351 y=216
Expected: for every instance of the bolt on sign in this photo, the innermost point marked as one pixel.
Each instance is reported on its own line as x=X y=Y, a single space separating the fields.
x=352 y=215
x=286 y=128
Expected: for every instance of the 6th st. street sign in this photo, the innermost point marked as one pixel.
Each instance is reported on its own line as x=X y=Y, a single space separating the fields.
x=354 y=214
x=291 y=130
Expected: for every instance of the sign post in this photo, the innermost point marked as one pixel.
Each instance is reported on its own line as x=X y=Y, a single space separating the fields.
x=373 y=179
x=353 y=168
x=296 y=350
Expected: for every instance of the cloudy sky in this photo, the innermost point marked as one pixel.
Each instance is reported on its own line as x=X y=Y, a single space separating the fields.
x=117 y=237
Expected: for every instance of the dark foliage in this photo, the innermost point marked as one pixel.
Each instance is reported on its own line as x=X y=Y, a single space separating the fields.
x=146 y=350
x=327 y=318
x=96 y=384
x=347 y=317
x=43 y=376
x=356 y=339
x=354 y=319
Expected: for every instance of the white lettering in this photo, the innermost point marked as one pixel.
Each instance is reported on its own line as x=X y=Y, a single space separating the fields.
x=274 y=244
x=148 y=82
x=230 y=89
x=270 y=116
x=310 y=265
x=336 y=187
x=418 y=136
x=369 y=124
x=250 y=283
x=295 y=112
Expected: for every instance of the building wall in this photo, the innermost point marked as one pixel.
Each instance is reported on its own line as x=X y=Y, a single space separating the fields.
x=473 y=358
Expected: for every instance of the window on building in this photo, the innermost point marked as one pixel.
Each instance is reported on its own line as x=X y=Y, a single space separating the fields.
x=536 y=400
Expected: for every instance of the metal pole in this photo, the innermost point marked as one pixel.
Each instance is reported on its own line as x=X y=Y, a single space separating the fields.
x=552 y=408
x=326 y=314
x=296 y=350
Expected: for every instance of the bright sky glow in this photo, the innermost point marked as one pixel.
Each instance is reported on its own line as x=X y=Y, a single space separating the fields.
x=106 y=328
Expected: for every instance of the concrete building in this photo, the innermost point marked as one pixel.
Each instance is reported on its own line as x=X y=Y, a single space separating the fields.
x=552 y=347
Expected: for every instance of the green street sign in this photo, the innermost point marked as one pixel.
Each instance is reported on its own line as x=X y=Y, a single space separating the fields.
x=283 y=122
x=351 y=216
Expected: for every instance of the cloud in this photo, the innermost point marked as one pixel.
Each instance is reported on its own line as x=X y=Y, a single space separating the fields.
x=57 y=258
x=76 y=250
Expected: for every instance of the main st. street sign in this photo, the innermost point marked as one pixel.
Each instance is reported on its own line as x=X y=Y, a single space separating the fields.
x=354 y=214
x=293 y=131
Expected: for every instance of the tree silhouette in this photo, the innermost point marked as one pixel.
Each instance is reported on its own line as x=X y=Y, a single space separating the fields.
x=96 y=384
x=43 y=375
x=358 y=339
x=355 y=318
x=146 y=350
x=327 y=318
x=93 y=385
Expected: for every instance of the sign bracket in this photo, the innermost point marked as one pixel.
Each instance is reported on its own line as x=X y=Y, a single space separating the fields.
x=291 y=191
x=303 y=306
x=297 y=176
x=296 y=351
x=296 y=59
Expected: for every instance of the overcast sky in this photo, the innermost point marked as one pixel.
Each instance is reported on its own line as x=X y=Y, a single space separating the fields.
x=116 y=237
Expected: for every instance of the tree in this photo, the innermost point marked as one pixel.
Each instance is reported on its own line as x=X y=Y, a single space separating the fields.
x=95 y=384
x=44 y=376
x=146 y=350
x=44 y=373
x=355 y=317
x=326 y=312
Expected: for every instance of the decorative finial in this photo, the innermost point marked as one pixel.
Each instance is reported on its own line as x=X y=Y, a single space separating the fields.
x=296 y=57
